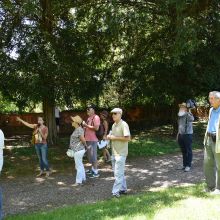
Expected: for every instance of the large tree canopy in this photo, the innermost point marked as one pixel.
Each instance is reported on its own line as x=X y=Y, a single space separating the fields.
x=133 y=51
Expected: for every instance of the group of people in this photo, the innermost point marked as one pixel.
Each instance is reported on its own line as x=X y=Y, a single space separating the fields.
x=86 y=138
x=211 y=142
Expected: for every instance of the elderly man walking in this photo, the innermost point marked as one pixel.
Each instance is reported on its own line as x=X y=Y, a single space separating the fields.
x=119 y=137
x=212 y=146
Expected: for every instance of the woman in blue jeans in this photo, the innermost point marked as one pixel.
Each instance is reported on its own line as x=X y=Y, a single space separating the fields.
x=40 y=134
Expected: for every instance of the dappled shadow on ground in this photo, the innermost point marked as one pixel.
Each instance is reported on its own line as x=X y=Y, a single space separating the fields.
x=18 y=141
x=145 y=206
x=28 y=194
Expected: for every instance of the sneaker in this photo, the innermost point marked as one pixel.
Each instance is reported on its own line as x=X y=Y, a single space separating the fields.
x=187 y=169
x=116 y=195
x=77 y=184
x=89 y=172
x=208 y=190
x=94 y=175
x=47 y=173
x=123 y=192
x=180 y=168
x=40 y=174
x=215 y=192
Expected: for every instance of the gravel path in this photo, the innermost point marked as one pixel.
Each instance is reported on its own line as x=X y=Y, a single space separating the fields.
x=24 y=195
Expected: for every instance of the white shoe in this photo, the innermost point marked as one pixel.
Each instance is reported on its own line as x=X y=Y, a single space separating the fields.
x=187 y=169
x=180 y=168
x=215 y=192
x=47 y=173
x=40 y=174
x=207 y=190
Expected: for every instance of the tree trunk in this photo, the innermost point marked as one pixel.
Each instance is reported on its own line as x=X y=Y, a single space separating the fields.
x=49 y=117
x=48 y=103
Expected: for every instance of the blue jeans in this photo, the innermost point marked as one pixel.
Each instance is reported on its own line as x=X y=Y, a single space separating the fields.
x=42 y=152
x=185 y=142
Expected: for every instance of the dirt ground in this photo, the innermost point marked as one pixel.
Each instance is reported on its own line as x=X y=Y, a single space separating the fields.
x=28 y=194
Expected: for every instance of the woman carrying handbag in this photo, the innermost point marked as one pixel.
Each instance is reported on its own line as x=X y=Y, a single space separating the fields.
x=77 y=149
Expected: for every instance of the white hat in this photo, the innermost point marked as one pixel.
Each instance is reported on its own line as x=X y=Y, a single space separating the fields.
x=117 y=110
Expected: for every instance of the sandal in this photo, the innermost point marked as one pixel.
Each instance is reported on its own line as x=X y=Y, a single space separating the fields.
x=40 y=174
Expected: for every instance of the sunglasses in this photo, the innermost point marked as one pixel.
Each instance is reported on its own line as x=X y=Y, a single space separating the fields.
x=114 y=113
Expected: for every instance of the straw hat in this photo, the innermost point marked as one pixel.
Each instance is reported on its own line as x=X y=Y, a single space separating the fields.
x=77 y=119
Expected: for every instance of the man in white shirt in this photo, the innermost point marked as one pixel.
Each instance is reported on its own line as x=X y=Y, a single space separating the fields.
x=2 y=144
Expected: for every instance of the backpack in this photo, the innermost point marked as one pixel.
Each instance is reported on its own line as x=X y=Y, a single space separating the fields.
x=101 y=131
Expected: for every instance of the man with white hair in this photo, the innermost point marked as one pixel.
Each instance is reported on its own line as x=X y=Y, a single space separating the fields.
x=2 y=140
x=212 y=146
x=119 y=137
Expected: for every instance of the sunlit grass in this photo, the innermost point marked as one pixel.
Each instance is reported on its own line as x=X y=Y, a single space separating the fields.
x=167 y=204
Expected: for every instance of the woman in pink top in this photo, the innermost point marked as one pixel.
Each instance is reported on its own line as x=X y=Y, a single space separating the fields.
x=40 y=134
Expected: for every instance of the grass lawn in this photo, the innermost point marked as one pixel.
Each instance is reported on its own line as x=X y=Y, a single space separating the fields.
x=176 y=203
x=23 y=161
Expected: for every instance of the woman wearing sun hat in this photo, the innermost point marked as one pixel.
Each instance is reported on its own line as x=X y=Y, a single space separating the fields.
x=78 y=145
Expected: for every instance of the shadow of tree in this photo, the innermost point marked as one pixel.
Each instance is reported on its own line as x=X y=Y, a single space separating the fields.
x=127 y=207
x=143 y=174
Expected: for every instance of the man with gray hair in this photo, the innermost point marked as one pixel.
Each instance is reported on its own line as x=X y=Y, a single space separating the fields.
x=212 y=146
x=119 y=137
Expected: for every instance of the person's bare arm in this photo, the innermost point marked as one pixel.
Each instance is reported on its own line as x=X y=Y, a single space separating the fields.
x=92 y=127
x=105 y=123
x=119 y=138
x=26 y=123
x=83 y=140
x=95 y=128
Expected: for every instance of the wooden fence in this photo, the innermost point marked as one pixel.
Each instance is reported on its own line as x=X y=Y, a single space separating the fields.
x=136 y=117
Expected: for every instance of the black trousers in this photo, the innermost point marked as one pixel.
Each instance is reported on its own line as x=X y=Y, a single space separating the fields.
x=185 y=142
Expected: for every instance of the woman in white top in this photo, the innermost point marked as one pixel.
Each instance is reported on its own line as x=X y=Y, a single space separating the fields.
x=78 y=145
